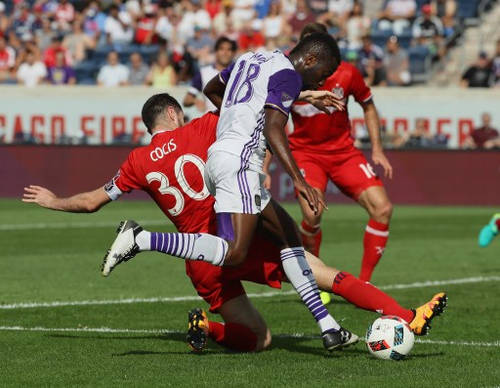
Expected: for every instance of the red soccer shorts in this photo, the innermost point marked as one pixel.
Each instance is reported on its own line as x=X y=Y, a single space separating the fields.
x=348 y=170
x=217 y=285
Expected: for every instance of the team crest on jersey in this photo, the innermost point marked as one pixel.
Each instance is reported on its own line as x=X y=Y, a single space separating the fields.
x=338 y=91
x=286 y=100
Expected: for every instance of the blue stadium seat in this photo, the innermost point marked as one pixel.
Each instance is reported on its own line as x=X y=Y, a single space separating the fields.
x=467 y=9
x=420 y=62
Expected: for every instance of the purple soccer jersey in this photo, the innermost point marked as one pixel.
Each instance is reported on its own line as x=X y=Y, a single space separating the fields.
x=254 y=82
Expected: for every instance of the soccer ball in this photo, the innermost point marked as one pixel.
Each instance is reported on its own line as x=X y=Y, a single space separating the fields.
x=389 y=338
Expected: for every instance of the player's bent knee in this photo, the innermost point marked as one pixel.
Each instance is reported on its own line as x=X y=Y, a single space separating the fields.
x=384 y=210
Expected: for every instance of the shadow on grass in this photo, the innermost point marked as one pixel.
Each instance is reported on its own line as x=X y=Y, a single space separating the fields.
x=289 y=344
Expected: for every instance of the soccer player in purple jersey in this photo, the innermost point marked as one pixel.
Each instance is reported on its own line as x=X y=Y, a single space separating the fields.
x=254 y=96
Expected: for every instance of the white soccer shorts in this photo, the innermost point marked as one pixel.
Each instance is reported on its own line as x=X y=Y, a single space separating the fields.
x=237 y=187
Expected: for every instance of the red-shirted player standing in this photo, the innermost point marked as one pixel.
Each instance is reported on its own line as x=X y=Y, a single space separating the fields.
x=324 y=149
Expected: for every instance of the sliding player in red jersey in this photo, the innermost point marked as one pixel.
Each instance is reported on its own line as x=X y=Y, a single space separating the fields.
x=170 y=170
x=324 y=150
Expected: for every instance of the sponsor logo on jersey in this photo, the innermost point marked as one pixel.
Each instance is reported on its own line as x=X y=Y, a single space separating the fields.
x=338 y=91
x=286 y=100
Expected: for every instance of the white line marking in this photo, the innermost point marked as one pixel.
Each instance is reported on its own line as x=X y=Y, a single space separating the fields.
x=108 y=330
x=12 y=306
x=69 y=225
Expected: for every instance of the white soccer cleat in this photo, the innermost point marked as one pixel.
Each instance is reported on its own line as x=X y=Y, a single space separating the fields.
x=124 y=247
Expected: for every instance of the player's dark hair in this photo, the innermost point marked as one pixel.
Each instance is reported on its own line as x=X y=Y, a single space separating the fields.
x=225 y=39
x=155 y=106
x=322 y=45
x=311 y=28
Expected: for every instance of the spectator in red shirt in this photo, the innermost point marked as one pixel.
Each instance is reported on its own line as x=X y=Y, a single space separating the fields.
x=482 y=136
x=146 y=25
x=213 y=7
x=49 y=56
x=7 y=60
x=250 y=37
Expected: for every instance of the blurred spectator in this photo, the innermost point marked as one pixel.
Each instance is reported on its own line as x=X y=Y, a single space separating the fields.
x=357 y=26
x=32 y=71
x=138 y=70
x=118 y=26
x=225 y=51
x=480 y=74
x=183 y=63
x=192 y=15
x=243 y=13
x=113 y=73
x=262 y=8
x=483 y=137
x=213 y=7
x=446 y=11
x=337 y=12
x=274 y=24
x=4 y=19
x=164 y=27
x=396 y=15
x=371 y=60
x=223 y=19
x=94 y=21
x=56 y=46
x=7 y=61
x=22 y=19
x=78 y=43
x=429 y=32
x=251 y=38
x=145 y=29
x=162 y=73
x=300 y=18
x=396 y=64
x=420 y=137
x=200 y=46
x=496 y=65
x=45 y=34
x=65 y=13
x=61 y=73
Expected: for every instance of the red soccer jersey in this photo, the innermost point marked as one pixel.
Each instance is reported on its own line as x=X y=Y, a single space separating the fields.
x=170 y=170
x=315 y=131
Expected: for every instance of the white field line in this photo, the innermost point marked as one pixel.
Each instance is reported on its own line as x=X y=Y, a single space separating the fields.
x=79 y=224
x=477 y=279
x=108 y=330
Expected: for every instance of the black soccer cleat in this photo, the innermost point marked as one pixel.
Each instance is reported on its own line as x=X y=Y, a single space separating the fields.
x=124 y=247
x=337 y=339
x=197 y=333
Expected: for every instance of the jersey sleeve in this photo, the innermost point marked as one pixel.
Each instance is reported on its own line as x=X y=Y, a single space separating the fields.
x=359 y=89
x=226 y=73
x=206 y=127
x=283 y=89
x=196 y=84
x=124 y=181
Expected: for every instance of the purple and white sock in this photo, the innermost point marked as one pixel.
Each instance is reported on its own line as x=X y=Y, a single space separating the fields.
x=189 y=246
x=299 y=273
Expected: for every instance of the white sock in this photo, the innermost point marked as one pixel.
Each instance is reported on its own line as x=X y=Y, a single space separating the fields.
x=299 y=273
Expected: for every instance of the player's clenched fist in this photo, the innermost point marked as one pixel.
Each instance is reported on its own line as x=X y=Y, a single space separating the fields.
x=39 y=195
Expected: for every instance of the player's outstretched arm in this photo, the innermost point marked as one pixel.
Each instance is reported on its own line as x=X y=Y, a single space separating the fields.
x=214 y=91
x=322 y=99
x=275 y=134
x=373 y=125
x=88 y=202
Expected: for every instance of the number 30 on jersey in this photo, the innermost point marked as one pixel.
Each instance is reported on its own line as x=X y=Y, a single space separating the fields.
x=165 y=187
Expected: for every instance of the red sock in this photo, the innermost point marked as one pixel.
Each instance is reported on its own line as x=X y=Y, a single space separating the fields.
x=368 y=297
x=233 y=336
x=374 y=243
x=311 y=237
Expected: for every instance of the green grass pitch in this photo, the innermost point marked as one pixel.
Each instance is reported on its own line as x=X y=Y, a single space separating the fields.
x=48 y=256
